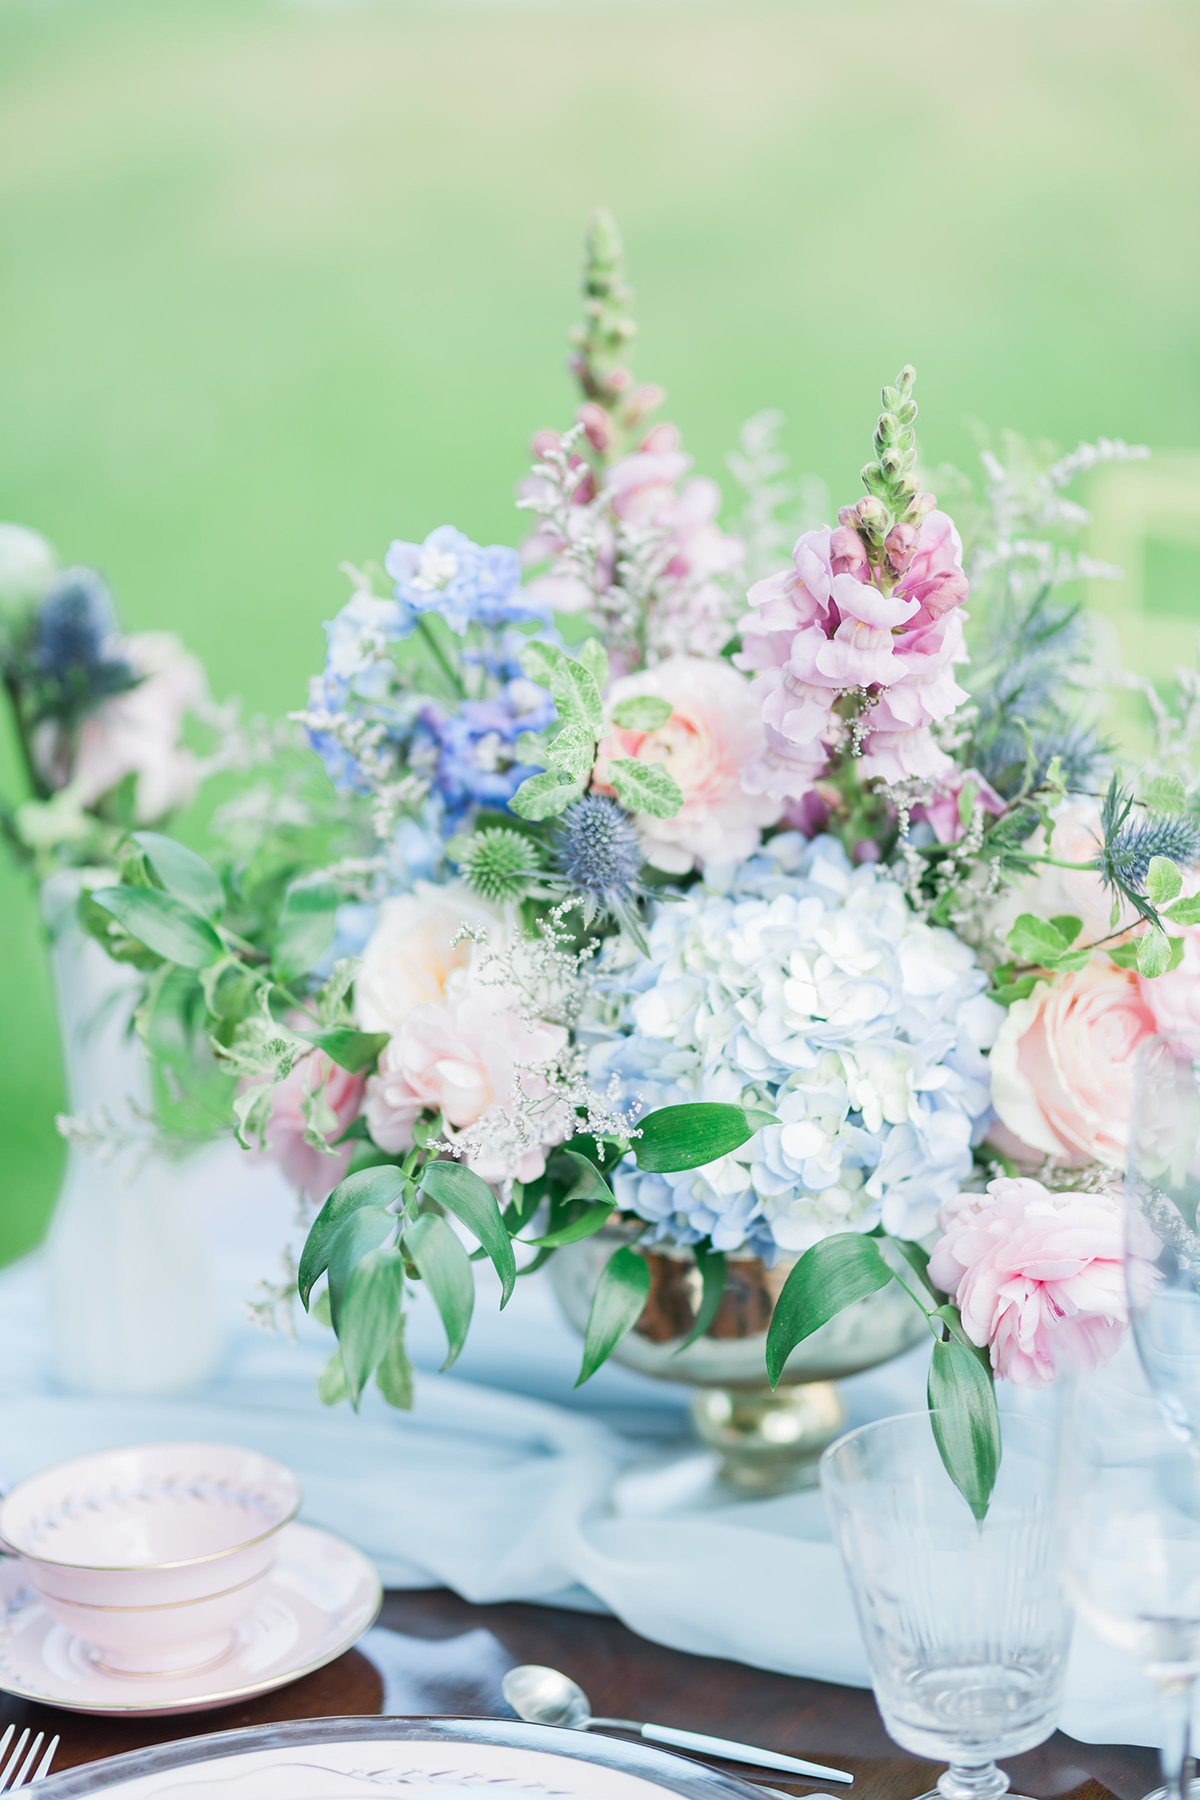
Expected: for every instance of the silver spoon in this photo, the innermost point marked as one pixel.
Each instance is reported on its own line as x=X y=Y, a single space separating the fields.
x=544 y=1697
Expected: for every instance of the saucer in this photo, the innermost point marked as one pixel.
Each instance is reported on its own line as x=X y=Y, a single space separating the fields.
x=318 y=1599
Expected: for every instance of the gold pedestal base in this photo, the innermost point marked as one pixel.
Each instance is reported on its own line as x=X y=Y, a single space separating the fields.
x=769 y=1442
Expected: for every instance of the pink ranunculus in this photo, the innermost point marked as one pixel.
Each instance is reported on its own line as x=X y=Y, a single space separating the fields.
x=464 y=1057
x=1038 y=1277
x=943 y=809
x=140 y=731
x=309 y=1169
x=714 y=730
x=1063 y=1062
x=1174 y=998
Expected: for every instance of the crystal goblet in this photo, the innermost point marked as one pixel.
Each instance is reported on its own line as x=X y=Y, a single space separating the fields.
x=965 y=1622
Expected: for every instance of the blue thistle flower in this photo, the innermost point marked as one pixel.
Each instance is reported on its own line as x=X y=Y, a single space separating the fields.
x=599 y=855
x=73 y=635
x=1126 y=853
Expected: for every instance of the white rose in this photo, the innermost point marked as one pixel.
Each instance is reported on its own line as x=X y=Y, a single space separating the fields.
x=411 y=958
x=27 y=567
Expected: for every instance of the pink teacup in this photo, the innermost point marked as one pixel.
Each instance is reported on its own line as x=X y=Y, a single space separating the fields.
x=152 y=1553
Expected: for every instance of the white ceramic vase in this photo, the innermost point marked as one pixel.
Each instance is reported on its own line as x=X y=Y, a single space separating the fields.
x=132 y=1300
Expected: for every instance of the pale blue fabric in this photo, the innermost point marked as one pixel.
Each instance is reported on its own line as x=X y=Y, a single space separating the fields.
x=505 y=1484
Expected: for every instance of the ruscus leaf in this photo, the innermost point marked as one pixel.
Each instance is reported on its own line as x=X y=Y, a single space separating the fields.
x=829 y=1277
x=472 y=1201
x=332 y=1387
x=394 y=1376
x=687 y=1137
x=363 y=1232
x=620 y=1297
x=370 y=1187
x=351 y=1050
x=182 y=872
x=966 y=1425
x=445 y=1268
x=305 y=930
x=586 y=1225
x=168 y=926
x=711 y=1264
x=370 y=1310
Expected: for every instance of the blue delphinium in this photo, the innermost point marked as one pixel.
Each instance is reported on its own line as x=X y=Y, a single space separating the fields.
x=475 y=758
x=465 y=583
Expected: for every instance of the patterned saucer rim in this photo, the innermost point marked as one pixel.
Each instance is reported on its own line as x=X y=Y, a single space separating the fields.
x=292 y=1537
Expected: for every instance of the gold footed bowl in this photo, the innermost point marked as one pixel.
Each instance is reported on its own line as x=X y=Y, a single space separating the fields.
x=769 y=1441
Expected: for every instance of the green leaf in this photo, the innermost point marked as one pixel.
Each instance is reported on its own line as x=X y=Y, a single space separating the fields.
x=351 y=1050
x=164 y=924
x=330 y=997
x=252 y=1115
x=1005 y=992
x=620 y=1298
x=1154 y=952
x=574 y=750
x=587 y=1182
x=688 y=1136
x=332 y=1387
x=711 y=1264
x=394 y=1376
x=1067 y=926
x=966 y=1425
x=545 y=796
x=586 y=1225
x=917 y=1258
x=968 y=794
x=645 y=787
x=370 y=1187
x=305 y=930
x=594 y=658
x=472 y=1201
x=362 y=1233
x=182 y=872
x=1035 y=940
x=641 y=712
x=1185 y=911
x=540 y=660
x=445 y=1268
x=577 y=697
x=830 y=1276
x=532 y=747
x=1165 y=794
x=1163 y=881
x=369 y=1313
x=319 y=1310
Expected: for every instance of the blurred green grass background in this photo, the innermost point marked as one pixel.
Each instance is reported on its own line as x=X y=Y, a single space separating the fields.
x=283 y=282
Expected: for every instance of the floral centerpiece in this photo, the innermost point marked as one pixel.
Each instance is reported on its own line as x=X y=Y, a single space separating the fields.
x=766 y=921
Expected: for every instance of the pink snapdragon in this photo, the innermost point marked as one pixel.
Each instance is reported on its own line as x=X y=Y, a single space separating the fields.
x=823 y=628
x=1037 y=1276
x=466 y=1058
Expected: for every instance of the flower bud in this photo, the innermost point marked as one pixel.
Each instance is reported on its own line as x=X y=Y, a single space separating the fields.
x=887 y=429
x=873 y=515
x=900 y=544
x=848 y=515
x=644 y=399
x=597 y=425
x=28 y=566
x=543 y=442
x=847 y=553
x=891 y=460
x=924 y=503
x=660 y=439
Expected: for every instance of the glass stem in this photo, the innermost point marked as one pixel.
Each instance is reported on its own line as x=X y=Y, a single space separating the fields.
x=1176 y=1745
x=982 y=1781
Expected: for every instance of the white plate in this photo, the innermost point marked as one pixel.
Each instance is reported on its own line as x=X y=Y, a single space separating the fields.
x=319 y=1598
x=398 y=1759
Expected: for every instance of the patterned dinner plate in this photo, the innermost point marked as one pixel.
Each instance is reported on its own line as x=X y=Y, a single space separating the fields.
x=398 y=1759
x=317 y=1601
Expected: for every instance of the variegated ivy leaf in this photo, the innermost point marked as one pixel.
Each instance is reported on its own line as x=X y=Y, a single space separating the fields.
x=1163 y=881
x=1154 y=953
x=577 y=697
x=642 y=712
x=533 y=748
x=574 y=749
x=545 y=796
x=330 y=997
x=645 y=787
x=320 y=1120
x=251 y=1116
x=539 y=661
x=594 y=658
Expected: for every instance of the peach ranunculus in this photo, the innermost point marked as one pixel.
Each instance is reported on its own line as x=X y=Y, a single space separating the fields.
x=138 y=732
x=715 y=728
x=411 y=958
x=468 y=1057
x=1063 y=1063
x=1038 y=1277
x=306 y=1167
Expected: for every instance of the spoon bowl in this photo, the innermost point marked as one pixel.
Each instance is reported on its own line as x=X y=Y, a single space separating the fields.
x=543 y=1696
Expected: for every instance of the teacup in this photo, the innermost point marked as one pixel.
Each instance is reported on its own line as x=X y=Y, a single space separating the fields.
x=151 y=1554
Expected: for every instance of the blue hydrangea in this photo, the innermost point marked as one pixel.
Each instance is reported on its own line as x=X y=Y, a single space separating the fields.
x=467 y=584
x=812 y=988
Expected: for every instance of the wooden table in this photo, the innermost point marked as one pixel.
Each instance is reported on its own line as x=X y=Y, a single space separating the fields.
x=624 y=1676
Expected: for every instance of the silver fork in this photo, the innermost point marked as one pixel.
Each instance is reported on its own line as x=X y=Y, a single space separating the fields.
x=16 y=1773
